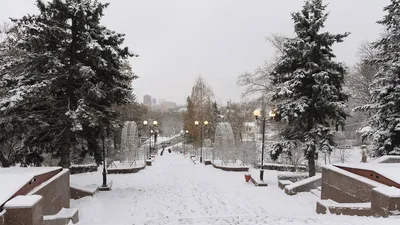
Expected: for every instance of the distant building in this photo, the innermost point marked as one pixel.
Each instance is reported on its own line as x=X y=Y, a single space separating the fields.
x=153 y=102
x=166 y=106
x=147 y=100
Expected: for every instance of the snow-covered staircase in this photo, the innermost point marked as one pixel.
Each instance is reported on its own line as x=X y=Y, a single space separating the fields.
x=305 y=185
x=64 y=217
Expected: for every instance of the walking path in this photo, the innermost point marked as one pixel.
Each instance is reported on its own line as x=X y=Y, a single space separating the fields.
x=176 y=191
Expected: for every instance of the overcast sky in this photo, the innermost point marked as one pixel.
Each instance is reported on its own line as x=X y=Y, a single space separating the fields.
x=178 y=40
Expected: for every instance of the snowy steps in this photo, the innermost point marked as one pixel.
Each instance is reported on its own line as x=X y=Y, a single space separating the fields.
x=63 y=217
x=283 y=183
x=77 y=192
x=349 y=209
x=305 y=185
x=316 y=192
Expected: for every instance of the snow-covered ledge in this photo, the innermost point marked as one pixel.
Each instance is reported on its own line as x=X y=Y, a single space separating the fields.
x=304 y=185
x=390 y=192
x=23 y=202
x=26 y=210
x=385 y=201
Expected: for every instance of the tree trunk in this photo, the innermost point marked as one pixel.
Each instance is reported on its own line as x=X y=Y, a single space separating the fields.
x=311 y=167
x=94 y=146
x=311 y=155
x=4 y=161
x=65 y=149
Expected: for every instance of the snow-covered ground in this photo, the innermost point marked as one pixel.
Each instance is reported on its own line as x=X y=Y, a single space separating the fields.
x=352 y=155
x=176 y=191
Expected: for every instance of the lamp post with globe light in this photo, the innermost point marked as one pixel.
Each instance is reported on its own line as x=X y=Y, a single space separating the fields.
x=185 y=133
x=257 y=115
x=197 y=123
x=154 y=124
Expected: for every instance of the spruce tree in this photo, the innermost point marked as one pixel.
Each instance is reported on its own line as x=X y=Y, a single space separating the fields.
x=385 y=106
x=308 y=83
x=73 y=74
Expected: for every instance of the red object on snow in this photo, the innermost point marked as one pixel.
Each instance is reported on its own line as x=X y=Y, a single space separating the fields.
x=247 y=177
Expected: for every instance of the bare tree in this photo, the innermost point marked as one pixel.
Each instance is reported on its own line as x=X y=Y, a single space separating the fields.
x=367 y=51
x=359 y=80
x=236 y=114
x=258 y=82
x=358 y=83
x=296 y=155
x=202 y=99
x=343 y=154
x=278 y=42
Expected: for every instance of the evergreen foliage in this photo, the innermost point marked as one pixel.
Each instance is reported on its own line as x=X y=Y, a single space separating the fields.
x=385 y=106
x=74 y=70
x=308 y=82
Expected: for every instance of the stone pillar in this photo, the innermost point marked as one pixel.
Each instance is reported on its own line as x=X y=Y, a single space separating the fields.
x=24 y=210
x=2 y=217
x=385 y=201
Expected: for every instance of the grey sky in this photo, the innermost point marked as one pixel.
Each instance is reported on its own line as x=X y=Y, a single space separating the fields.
x=177 y=40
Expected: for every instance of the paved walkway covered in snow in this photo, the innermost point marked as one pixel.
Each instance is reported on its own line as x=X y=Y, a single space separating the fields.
x=176 y=191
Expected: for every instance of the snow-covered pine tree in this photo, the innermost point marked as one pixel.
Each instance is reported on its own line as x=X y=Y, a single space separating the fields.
x=73 y=74
x=385 y=106
x=308 y=82
x=11 y=64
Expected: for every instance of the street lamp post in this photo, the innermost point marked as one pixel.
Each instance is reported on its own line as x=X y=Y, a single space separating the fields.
x=257 y=114
x=197 y=123
x=183 y=135
x=155 y=140
x=151 y=134
x=181 y=138
x=104 y=160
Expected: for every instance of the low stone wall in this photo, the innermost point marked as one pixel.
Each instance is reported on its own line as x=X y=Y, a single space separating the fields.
x=125 y=170
x=77 y=169
x=292 y=177
x=281 y=167
x=232 y=169
x=344 y=187
x=55 y=193
x=390 y=159
x=207 y=162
